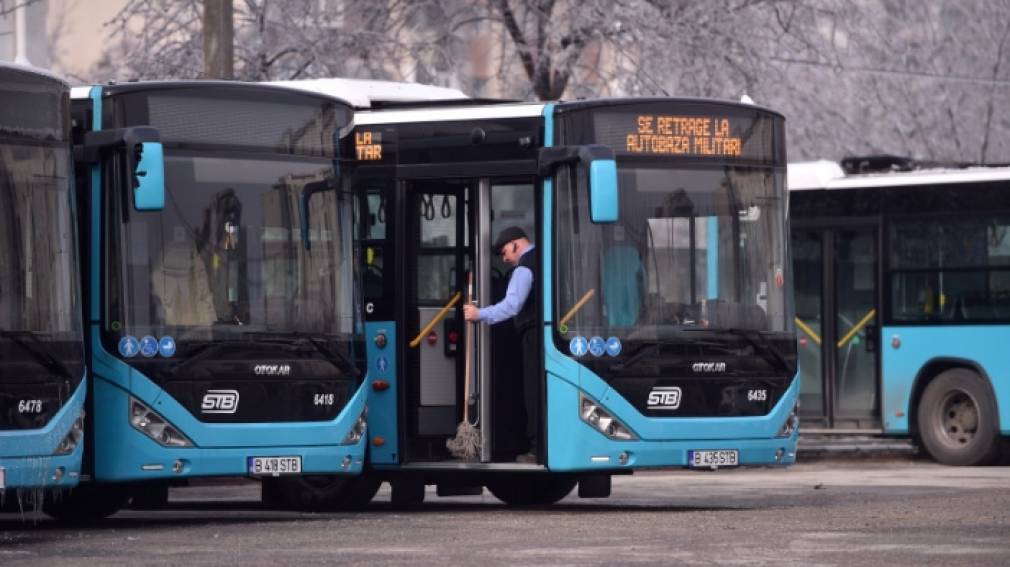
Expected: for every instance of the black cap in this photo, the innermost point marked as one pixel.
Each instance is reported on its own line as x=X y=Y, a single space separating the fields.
x=508 y=235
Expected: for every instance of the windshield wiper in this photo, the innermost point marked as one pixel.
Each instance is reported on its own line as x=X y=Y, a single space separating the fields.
x=335 y=358
x=206 y=350
x=653 y=345
x=761 y=344
x=44 y=355
x=637 y=354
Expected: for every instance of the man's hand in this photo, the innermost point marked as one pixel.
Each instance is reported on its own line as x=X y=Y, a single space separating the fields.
x=471 y=313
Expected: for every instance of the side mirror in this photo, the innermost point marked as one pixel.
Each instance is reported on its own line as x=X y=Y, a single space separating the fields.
x=603 y=203
x=308 y=191
x=144 y=160
x=148 y=177
x=597 y=169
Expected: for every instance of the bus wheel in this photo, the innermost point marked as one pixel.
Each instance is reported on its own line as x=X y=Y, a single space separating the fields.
x=957 y=419
x=85 y=503
x=527 y=490
x=149 y=496
x=406 y=493
x=319 y=493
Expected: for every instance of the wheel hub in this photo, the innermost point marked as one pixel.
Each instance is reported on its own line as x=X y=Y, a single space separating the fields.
x=959 y=419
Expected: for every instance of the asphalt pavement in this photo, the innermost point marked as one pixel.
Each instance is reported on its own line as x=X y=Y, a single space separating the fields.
x=829 y=512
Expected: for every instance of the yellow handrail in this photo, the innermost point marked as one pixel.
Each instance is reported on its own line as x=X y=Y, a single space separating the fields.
x=434 y=321
x=858 y=327
x=571 y=312
x=806 y=329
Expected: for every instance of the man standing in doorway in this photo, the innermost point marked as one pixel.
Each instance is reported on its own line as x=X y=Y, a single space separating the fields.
x=519 y=305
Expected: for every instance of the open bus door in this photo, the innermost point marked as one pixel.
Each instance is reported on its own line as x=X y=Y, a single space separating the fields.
x=450 y=224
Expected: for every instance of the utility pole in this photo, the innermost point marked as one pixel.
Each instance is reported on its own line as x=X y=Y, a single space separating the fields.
x=21 y=35
x=218 y=40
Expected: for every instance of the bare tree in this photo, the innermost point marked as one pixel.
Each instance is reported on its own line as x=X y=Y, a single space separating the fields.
x=929 y=80
x=926 y=79
x=8 y=6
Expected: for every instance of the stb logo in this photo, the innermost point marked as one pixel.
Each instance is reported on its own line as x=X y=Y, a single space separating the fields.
x=664 y=398
x=709 y=367
x=220 y=401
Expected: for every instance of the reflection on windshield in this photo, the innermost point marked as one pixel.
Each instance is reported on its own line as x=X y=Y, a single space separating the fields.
x=693 y=249
x=39 y=293
x=38 y=283
x=226 y=256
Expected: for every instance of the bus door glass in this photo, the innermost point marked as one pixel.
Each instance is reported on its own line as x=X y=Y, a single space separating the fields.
x=512 y=203
x=836 y=317
x=438 y=259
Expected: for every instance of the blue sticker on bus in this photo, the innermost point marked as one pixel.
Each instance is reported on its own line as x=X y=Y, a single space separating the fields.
x=148 y=346
x=128 y=346
x=613 y=346
x=382 y=363
x=578 y=346
x=166 y=346
x=596 y=346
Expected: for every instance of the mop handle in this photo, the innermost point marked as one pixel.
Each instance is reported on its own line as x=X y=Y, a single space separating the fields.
x=467 y=339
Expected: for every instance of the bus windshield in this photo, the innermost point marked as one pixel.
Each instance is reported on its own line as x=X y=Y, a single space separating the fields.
x=227 y=259
x=694 y=249
x=40 y=327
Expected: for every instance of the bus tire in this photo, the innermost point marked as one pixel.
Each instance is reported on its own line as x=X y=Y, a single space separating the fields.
x=528 y=490
x=319 y=493
x=149 y=496
x=85 y=503
x=406 y=493
x=957 y=419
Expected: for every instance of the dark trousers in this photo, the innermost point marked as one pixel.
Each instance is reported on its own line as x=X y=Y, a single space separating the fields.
x=531 y=385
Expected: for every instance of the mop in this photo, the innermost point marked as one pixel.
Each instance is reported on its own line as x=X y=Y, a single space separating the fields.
x=466 y=444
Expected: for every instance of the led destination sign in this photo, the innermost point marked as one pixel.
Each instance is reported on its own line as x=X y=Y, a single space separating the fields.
x=655 y=131
x=683 y=135
x=368 y=145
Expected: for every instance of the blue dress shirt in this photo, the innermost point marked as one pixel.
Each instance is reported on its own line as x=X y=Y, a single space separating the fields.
x=518 y=291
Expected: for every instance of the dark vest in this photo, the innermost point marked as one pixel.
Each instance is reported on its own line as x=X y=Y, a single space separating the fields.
x=527 y=318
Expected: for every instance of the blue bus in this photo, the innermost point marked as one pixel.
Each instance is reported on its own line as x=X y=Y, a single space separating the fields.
x=221 y=301
x=42 y=372
x=902 y=274
x=663 y=305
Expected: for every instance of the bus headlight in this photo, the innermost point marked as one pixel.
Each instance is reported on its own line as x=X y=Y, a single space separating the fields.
x=792 y=422
x=358 y=430
x=72 y=438
x=148 y=422
x=600 y=420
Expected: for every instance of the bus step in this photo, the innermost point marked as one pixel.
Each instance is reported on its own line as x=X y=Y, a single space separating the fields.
x=594 y=486
x=458 y=489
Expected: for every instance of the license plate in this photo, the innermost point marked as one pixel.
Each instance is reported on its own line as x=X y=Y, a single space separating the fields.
x=710 y=459
x=274 y=466
x=3 y=479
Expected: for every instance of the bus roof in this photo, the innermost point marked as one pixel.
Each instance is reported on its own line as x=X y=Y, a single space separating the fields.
x=362 y=93
x=449 y=114
x=479 y=109
x=83 y=92
x=826 y=174
x=42 y=73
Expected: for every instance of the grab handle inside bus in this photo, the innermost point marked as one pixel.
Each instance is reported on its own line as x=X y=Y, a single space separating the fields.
x=596 y=168
x=563 y=322
x=434 y=320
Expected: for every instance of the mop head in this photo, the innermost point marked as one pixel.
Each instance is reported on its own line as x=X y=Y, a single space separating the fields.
x=466 y=444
